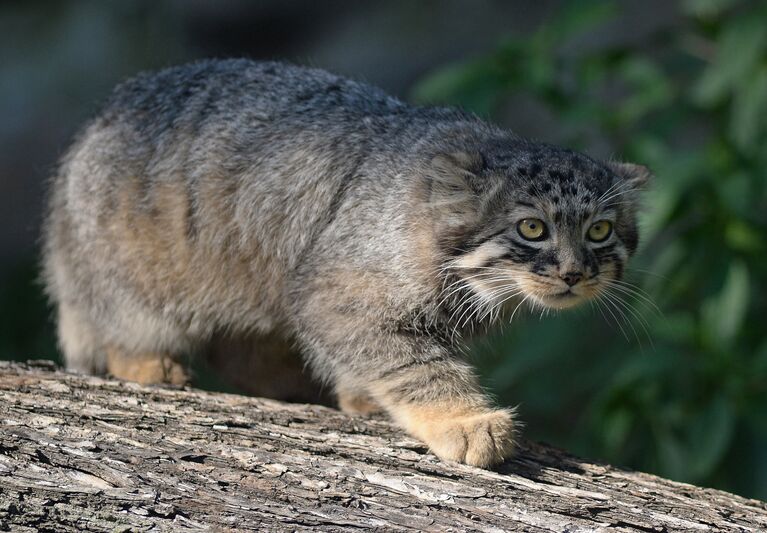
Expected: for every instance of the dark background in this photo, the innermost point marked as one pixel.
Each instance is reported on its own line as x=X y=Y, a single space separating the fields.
x=680 y=389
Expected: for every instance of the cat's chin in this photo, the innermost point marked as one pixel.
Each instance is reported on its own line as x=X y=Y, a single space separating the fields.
x=562 y=300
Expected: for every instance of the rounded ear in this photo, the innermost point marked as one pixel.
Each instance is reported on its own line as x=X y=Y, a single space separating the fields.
x=458 y=171
x=458 y=163
x=637 y=176
x=455 y=188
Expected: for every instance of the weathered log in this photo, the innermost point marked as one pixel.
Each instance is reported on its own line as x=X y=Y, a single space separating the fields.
x=80 y=453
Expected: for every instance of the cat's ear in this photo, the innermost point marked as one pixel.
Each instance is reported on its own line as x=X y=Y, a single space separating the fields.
x=455 y=188
x=457 y=172
x=637 y=176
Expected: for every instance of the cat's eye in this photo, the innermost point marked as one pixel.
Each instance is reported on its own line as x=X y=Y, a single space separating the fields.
x=532 y=229
x=600 y=230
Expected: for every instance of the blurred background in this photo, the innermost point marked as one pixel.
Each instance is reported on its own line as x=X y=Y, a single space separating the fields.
x=671 y=377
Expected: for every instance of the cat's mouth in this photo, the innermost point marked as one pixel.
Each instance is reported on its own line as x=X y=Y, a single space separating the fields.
x=561 y=300
x=564 y=294
x=558 y=297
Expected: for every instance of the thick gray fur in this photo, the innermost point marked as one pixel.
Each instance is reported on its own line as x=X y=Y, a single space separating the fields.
x=242 y=197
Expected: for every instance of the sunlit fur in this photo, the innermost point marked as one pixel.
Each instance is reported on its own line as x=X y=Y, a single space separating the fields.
x=294 y=210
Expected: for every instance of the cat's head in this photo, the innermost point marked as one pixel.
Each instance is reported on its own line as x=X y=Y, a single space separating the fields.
x=525 y=221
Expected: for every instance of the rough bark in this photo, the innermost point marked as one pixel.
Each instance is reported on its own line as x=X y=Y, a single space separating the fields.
x=80 y=453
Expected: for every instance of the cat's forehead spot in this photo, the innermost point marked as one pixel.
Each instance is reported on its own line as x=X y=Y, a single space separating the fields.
x=558 y=180
x=564 y=204
x=577 y=162
x=565 y=167
x=537 y=180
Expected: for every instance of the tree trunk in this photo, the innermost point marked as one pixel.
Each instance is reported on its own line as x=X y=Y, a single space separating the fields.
x=80 y=453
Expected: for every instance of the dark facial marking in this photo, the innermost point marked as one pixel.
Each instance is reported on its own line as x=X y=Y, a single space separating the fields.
x=607 y=254
x=630 y=238
x=475 y=242
x=518 y=252
x=544 y=260
x=618 y=270
x=590 y=263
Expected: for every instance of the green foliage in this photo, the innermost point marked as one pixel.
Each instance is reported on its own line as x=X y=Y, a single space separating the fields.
x=690 y=101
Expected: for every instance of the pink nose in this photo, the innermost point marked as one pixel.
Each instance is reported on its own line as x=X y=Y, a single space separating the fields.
x=571 y=278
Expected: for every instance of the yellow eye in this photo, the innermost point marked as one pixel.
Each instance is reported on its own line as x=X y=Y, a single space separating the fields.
x=600 y=230
x=532 y=229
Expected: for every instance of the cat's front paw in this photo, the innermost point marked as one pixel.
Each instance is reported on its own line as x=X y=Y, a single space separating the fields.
x=484 y=438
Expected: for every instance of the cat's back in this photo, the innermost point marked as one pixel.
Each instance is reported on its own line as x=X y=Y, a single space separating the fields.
x=215 y=129
x=206 y=172
x=244 y=91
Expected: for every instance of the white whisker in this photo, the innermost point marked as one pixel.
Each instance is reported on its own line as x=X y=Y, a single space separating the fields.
x=639 y=318
x=601 y=300
x=632 y=290
x=621 y=307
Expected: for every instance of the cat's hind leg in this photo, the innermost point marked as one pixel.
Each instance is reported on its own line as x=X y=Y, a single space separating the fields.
x=87 y=349
x=79 y=341
x=147 y=368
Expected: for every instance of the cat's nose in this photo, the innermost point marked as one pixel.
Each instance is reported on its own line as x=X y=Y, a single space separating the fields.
x=571 y=278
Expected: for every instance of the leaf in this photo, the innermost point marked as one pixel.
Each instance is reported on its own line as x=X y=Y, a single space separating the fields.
x=675 y=174
x=707 y=8
x=475 y=86
x=735 y=192
x=740 y=48
x=733 y=301
x=749 y=111
x=577 y=17
x=673 y=460
x=679 y=326
x=650 y=89
x=723 y=315
x=760 y=361
x=616 y=427
x=709 y=436
x=742 y=236
x=638 y=371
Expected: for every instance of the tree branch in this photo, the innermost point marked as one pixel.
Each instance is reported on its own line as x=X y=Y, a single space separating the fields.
x=80 y=453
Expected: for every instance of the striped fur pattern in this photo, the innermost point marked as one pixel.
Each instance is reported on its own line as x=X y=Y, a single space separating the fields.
x=261 y=200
